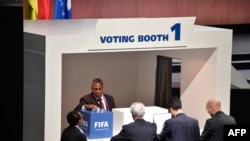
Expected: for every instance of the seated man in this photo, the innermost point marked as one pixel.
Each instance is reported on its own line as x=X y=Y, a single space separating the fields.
x=180 y=127
x=139 y=130
x=213 y=129
x=73 y=132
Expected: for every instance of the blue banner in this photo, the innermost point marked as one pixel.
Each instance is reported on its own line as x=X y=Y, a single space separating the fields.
x=63 y=9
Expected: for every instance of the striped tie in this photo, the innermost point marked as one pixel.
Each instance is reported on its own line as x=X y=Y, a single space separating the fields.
x=101 y=103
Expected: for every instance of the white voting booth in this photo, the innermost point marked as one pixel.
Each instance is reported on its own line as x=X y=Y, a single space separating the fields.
x=59 y=57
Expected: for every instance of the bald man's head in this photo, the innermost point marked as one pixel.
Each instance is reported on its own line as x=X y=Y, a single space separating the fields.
x=213 y=106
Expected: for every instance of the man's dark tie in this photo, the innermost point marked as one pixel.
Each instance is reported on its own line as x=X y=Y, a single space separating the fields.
x=101 y=103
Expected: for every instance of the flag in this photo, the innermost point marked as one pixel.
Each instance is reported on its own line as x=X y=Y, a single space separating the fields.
x=32 y=9
x=63 y=9
x=43 y=9
x=38 y=9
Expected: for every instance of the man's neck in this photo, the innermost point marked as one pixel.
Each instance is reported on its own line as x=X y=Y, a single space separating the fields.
x=138 y=118
x=178 y=111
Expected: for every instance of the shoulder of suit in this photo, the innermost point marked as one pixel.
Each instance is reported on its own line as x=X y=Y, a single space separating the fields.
x=84 y=96
x=107 y=95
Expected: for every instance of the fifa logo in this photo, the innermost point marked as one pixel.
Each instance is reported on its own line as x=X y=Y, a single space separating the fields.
x=101 y=124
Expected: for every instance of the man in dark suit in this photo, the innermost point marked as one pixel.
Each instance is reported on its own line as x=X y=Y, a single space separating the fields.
x=139 y=130
x=213 y=129
x=180 y=127
x=73 y=131
x=96 y=99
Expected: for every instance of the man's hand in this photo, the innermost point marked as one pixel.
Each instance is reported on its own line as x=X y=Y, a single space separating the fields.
x=90 y=106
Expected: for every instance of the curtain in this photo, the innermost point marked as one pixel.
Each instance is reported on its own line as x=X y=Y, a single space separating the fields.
x=163 y=88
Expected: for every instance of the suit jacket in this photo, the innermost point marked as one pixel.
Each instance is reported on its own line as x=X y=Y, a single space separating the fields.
x=180 y=128
x=72 y=133
x=139 y=130
x=90 y=99
x=213 y=129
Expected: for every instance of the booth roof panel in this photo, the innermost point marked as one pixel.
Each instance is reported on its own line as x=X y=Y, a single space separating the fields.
x=60 y=27
x=76 y=27
x=207 y=28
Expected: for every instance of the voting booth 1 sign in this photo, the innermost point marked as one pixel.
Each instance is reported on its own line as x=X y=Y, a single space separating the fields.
x=97 y=124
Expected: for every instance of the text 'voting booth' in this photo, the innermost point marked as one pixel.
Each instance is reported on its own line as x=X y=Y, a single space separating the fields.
x=97 y=124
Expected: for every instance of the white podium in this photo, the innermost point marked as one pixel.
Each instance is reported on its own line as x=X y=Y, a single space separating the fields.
x=155 y=114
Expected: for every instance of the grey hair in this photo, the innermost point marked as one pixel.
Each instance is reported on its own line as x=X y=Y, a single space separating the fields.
x=137 y=109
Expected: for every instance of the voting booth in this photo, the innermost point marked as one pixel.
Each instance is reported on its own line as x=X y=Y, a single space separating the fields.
x=97 y=124
x=154 y=114
x=62 y=56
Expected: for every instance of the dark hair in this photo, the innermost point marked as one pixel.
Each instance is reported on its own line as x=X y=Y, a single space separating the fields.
x=98 y=80
x=175 y=103
x=73 y=117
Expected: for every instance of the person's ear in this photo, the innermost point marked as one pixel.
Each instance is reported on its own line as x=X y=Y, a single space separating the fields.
x=170 y=109
x=133 y=115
